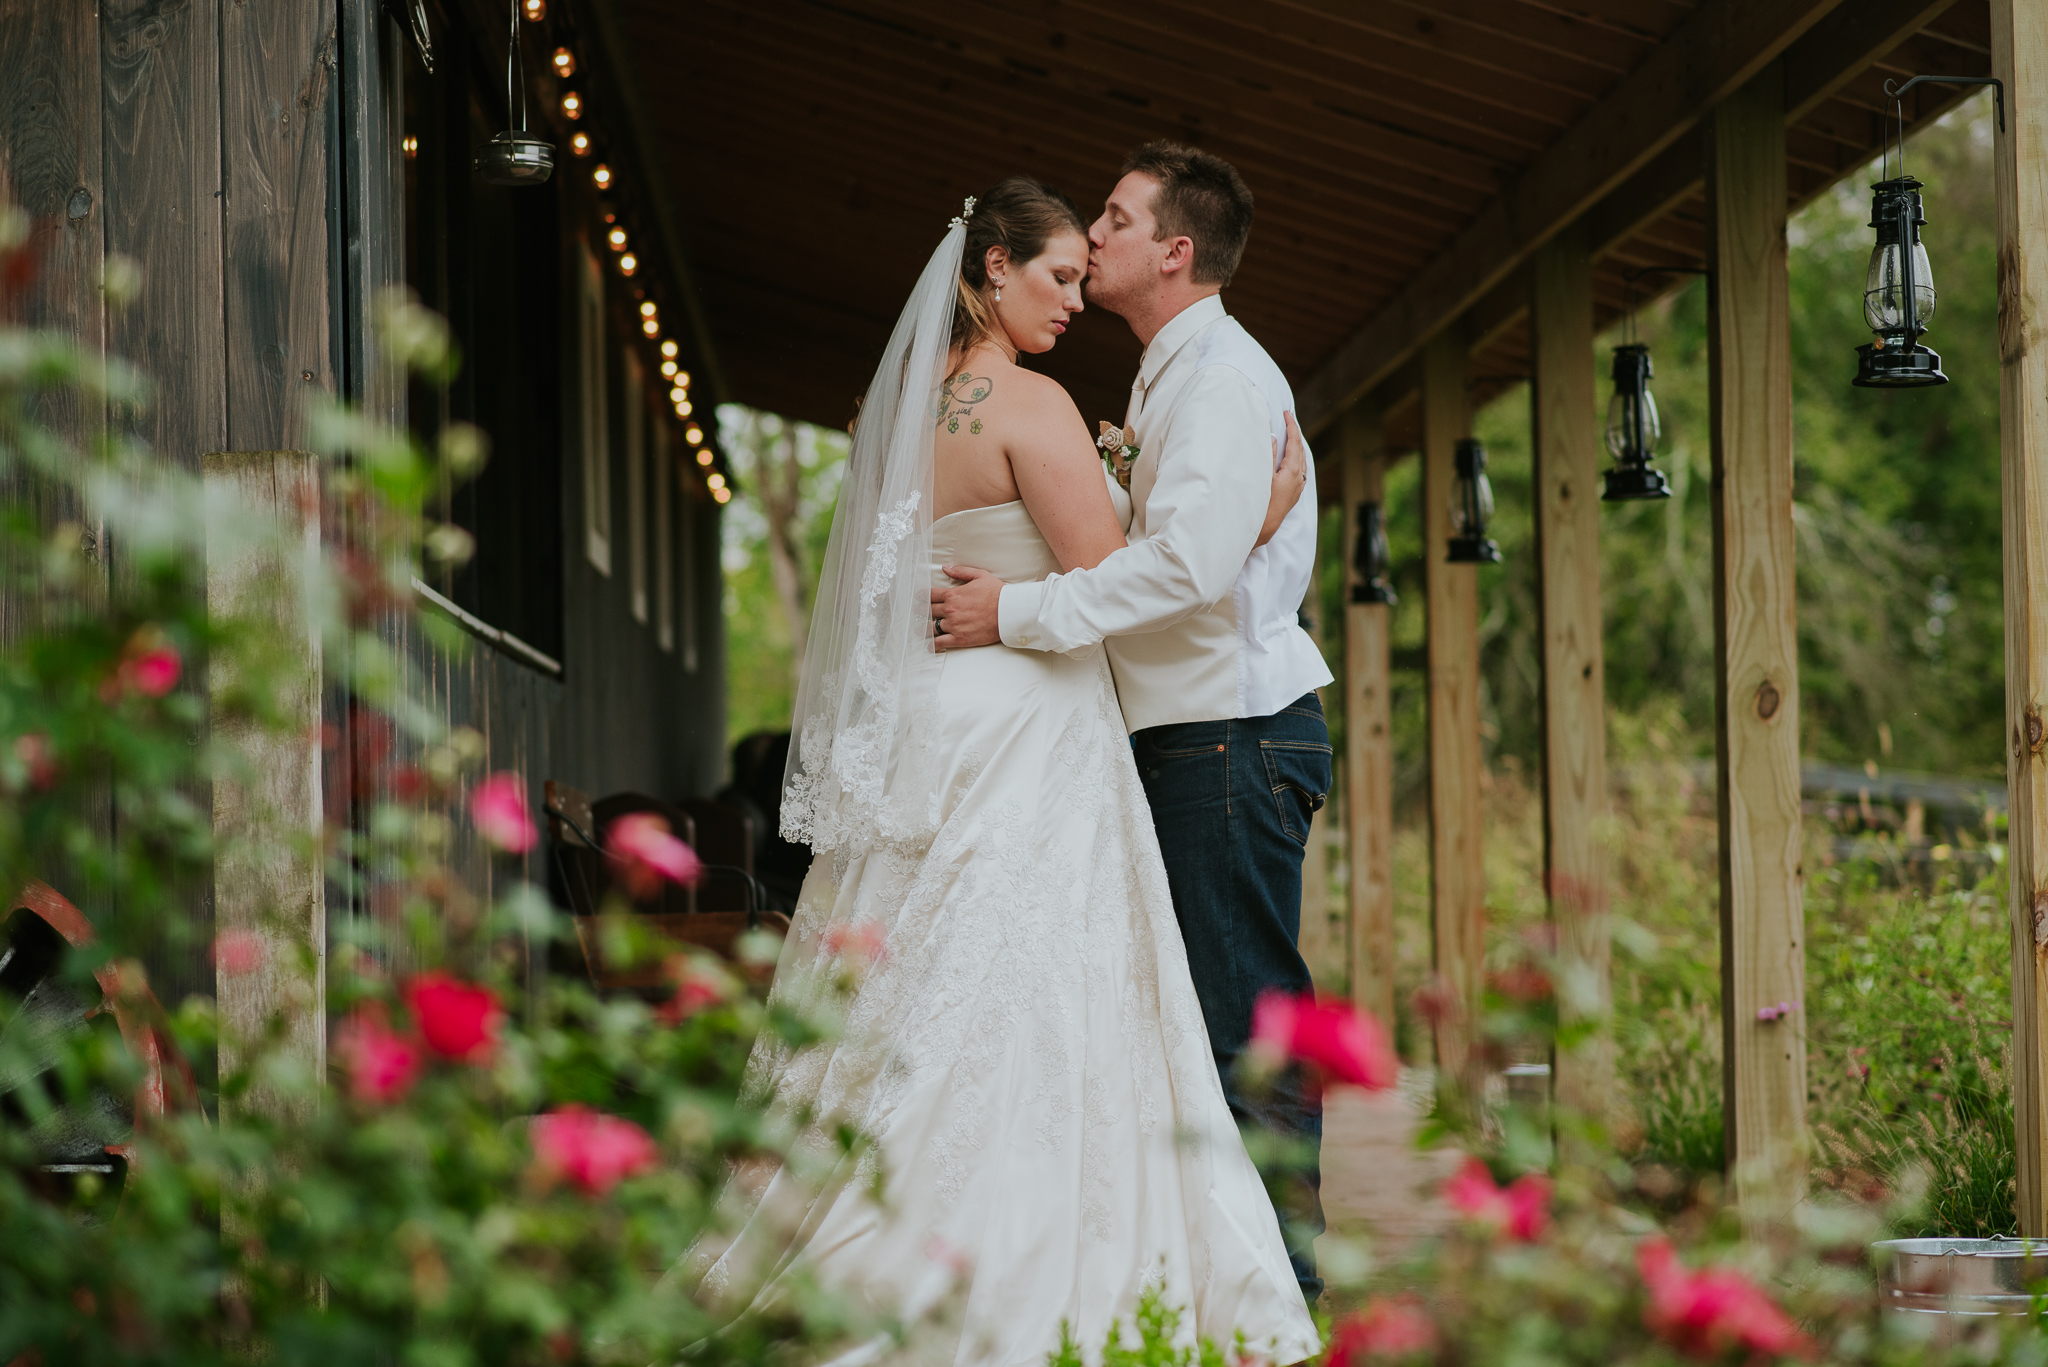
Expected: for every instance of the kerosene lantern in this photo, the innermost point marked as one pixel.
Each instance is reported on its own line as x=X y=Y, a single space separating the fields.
x=1471 y=506
x=1898 y=293
x=1633 y=430
x=512 y=158
x=1370 y=559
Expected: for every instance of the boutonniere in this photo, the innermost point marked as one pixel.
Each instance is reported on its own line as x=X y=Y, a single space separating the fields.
x=1119 y=450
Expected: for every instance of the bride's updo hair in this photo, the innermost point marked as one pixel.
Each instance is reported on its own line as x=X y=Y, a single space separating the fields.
x=1019 y=215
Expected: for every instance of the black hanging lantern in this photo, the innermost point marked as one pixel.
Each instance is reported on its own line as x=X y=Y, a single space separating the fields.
x=1898 y=293
x=512 y=158
x=1471 y=506
x=1633 y=430
x=1370 y=558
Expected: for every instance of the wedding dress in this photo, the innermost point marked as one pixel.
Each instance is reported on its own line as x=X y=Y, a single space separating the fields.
x=1024 y=1043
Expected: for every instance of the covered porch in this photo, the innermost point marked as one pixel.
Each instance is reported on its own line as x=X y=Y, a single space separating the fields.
x=1454 y=199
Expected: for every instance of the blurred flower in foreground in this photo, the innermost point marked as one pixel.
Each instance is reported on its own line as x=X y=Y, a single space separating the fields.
x=381 y=1065
x=236 y=952
x=1521 y=1209
x=592 y=1150
x=698 y=985
x=149 y=666
x=1385 y=1328
x=498 y=807
x=458 y=1020
x=644 y=852
x=1710 y=1312
x=864 y=943
x=1349 y=1046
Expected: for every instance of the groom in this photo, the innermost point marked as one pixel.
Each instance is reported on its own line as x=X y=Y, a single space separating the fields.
x=1216 y=677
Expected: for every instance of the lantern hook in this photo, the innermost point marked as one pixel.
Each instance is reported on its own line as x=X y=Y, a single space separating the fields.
x=1895 y=90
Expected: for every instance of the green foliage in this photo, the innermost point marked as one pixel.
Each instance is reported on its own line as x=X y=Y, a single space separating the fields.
x=275 y=1213
x=1156 y=1326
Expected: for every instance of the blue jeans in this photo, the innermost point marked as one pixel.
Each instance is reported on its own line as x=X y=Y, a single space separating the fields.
x=1231 y=801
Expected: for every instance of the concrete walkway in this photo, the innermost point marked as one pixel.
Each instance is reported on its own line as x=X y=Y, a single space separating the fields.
x=1375 y=1182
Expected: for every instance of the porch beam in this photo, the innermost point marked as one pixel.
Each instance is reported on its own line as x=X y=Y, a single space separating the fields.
x=1720 y=46
x=1368 y=732
x=1756 y=653
x=1567 y=467
x=2019 y=57
x=1457 y=880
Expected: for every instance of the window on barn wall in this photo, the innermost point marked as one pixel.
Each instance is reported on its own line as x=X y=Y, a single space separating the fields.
x=480 y=255
x=596 y=453
x=635 y=377
x=664 y=517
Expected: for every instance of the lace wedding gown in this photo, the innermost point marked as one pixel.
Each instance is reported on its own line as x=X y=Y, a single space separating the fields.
x=1026 y=1045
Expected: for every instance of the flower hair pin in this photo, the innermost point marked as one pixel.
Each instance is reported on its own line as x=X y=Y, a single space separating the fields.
x=966 y=212
x=1119 y=450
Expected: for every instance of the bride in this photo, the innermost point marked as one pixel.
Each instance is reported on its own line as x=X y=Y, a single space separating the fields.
x=1022 y=1041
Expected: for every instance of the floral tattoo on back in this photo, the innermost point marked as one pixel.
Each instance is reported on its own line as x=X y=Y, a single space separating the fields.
x=957 y=397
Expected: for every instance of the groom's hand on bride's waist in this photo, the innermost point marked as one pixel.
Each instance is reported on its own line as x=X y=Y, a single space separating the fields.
x=965 y=614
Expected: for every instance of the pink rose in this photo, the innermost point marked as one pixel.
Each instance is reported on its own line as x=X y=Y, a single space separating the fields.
x=498 y=807
x=864 y=943
x=458 y=1020
x=381 y=1065
x=1521 y=1209
x=697 y=987
x=1347 y=1045
x=236 y=952
x=1386 y=1328
x=644 y=853
x=32 y=751
x=1709 y=1312
x=150 y=665
x=592 y=1150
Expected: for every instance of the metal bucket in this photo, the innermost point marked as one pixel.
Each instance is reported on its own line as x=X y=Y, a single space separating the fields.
x=1958 y=1281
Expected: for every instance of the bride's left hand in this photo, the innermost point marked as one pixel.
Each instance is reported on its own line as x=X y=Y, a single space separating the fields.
x=1289 y=479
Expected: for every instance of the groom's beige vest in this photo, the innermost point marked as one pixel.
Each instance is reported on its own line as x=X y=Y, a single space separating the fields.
x=1200 y=626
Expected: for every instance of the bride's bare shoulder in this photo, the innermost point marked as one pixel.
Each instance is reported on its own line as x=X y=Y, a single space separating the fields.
x=979 y=391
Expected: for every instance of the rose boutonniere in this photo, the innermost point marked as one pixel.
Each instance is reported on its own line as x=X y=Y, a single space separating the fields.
x=1119 y=450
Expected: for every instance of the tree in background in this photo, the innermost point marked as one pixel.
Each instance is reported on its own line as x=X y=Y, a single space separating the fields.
x=775 y=531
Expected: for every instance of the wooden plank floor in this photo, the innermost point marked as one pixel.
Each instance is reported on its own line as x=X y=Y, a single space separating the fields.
x=1375 y=1182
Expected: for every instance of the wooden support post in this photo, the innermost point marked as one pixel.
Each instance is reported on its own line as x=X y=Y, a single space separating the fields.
x=1763 y=934
x=1574 y=678
x=1457 y=877
x=1368 y=734
x=263 y=532
x=2019 y=57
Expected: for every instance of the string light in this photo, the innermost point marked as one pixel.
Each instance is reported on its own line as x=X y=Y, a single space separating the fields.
x=601 y=176
x=683 y=379
x=722 y=495
x=580 y=144
x=572 y=105
x=617 y=237
x=411 y=145
x=565 y=62
x=668 y=367
x=679 y=395
x=650 y=327
x=695 y=435
x=715 y=480
x=628 y=264
x=647 y=309
x=704 y=456
x=536 y=10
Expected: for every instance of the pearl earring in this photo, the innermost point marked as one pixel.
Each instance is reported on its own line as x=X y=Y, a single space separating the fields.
x=999 y=294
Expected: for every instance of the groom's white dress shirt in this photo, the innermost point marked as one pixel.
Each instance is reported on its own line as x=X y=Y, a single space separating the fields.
x=1200 y=625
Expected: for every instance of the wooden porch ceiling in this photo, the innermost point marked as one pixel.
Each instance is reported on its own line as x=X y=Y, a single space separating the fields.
x=1405 y=154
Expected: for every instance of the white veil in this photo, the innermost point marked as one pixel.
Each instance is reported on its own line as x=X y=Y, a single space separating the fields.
x=852 y=737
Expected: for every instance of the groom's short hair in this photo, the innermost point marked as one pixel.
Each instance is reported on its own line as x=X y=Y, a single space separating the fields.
x=1201 y=198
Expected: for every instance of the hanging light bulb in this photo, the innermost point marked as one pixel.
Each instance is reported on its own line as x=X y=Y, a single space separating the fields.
x=668 y=349
x=704 y=456
x=647 y=308
x=668 y=368
x=1632 y=430
x=684 y=408
x=715 y=480
x=564 y=62
x=536 y=10
x=683 y=378
x=1370 y=558
x=722 y=495
x=572 y=105
x=580 y=144
x=617 y=237
x=1898 y=293
x=411 y=144
x=601 y=176
x=1471 y=507
x=694 y=435
x=628 y=263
